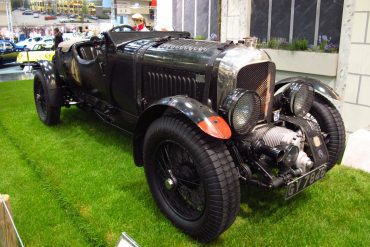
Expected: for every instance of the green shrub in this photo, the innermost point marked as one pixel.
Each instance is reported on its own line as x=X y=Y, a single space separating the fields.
x=103 y=16
x=200 y=37
x=274 y=43
x=324 y=45
x=299 y=45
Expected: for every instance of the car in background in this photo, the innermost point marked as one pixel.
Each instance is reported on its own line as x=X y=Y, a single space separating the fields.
x=36 y=15
x=8 y=52
x=69 y=20
x=32 y=56
x=92 y=17
x=50 y=17
x=30 y=42
x=48 y=42
x=73 y=36
x=27 y=12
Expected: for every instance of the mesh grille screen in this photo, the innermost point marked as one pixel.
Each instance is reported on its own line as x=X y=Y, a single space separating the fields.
x=259 y=78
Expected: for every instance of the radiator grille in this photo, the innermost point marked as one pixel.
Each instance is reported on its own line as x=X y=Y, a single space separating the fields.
x=163 y=83
x=259 y=78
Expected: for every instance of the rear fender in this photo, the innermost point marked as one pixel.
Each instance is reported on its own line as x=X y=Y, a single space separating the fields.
x=201 y=115
x=52 y=82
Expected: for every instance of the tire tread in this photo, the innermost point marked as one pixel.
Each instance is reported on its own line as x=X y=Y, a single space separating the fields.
x=331 y=122
x=218 y=173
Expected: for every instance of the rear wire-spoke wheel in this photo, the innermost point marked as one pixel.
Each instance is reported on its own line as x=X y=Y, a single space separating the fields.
x=192 y=178
x=48 y=114
x=40 y=100
x=330 y=122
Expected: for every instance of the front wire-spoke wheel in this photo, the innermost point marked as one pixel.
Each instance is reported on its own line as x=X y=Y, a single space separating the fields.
x=192 y=177
x=178 y=180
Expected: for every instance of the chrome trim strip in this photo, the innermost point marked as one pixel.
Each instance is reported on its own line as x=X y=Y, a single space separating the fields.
x=291 y=27
x=195 y=17
x=269 y=21
x=209 y=18
x=317 y=22
x=182 y=15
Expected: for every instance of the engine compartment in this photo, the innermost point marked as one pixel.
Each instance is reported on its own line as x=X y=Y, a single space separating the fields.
x=278 y=137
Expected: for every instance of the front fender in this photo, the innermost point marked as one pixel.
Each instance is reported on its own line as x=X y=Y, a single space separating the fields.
x=201 y=115
x=319 y=87
x=52 y=83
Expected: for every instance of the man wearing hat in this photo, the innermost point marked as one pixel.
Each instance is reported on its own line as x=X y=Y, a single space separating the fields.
x=139 y=23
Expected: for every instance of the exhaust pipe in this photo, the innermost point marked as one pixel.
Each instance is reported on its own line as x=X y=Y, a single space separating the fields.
x=273 y=152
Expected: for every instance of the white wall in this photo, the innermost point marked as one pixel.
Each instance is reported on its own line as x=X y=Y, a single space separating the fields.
x=356 y=107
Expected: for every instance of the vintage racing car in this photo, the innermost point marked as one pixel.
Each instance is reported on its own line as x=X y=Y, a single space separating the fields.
x=37 y=53
x=205 y=116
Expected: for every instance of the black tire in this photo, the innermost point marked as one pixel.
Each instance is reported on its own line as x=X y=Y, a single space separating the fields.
x=22 y=66
x=331 y=124
x=205 y=171
x=49 y=115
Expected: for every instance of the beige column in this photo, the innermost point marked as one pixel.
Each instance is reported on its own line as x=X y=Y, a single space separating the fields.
x=345 y=47
x=235 y=19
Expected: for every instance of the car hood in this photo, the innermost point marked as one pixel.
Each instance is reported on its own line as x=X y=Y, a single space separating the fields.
x=22 y=43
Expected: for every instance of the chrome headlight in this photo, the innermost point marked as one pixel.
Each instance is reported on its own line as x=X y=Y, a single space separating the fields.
x=242 y=109
x=299 y=98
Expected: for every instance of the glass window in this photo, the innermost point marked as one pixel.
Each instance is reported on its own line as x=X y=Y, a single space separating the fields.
x=8 y=45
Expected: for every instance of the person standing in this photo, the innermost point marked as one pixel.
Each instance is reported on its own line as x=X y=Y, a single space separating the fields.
x=58 y=38
x=139 y=23
x=87 y=32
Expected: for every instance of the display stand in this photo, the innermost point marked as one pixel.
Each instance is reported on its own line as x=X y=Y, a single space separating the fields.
x=28 y=67
x=7 y=233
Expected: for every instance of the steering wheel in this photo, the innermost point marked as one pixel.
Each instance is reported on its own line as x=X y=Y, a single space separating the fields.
x=97 y=42
x=95 y=39
x=122 y=28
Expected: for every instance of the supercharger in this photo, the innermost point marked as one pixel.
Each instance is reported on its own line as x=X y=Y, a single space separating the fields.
x=275 y=136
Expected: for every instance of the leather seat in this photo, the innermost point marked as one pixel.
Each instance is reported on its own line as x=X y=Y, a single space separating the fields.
x=87 y=52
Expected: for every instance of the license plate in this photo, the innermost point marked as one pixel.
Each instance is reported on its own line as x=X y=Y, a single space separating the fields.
x=299 y=184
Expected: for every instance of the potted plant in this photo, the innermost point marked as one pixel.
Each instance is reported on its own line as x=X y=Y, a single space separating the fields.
x=300 y=57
